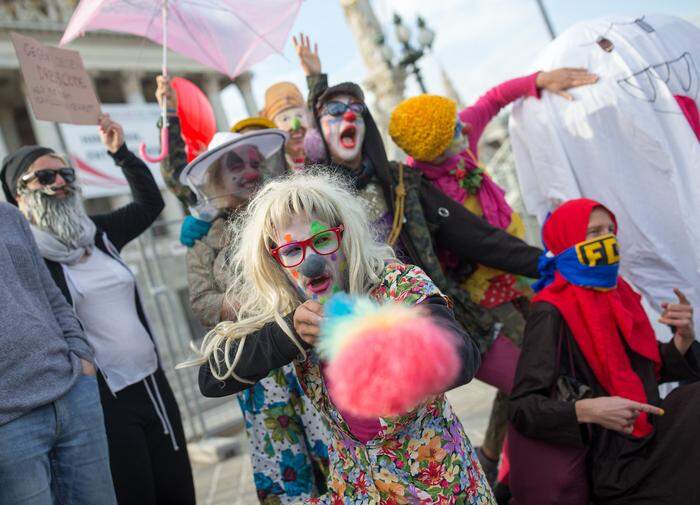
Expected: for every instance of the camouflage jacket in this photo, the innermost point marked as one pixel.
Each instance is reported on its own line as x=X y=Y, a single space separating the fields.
x=205 y=274
x=176 y=161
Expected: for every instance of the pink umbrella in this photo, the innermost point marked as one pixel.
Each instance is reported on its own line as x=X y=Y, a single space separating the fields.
x=228 y=35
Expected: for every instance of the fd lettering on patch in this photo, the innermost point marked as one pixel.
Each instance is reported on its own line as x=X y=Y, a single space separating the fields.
x=598 y=251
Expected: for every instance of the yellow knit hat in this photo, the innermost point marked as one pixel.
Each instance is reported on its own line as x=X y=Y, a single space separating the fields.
x=259 y=123
x=423 y=126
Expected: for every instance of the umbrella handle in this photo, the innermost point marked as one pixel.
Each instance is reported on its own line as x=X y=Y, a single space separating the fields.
x=164 y=148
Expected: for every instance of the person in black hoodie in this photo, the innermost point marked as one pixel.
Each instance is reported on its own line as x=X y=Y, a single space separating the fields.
x=148 y=452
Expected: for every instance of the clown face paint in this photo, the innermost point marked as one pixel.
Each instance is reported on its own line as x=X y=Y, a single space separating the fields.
x=236 y=177
x=343 y=133
x=460 y=141
x=295 y=122
x=318 y=276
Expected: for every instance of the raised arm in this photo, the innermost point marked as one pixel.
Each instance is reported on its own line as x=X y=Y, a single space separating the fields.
x=488 y=105
x=128 y=222
x=679 y=358
x=176 y=161
x=310 y=62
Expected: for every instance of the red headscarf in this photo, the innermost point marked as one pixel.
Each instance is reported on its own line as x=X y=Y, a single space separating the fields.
x=599 y=320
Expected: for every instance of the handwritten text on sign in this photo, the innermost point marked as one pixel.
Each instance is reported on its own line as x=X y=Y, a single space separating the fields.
x=58 y=86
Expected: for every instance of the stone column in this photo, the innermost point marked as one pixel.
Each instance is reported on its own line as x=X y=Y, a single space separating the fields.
x=212 y=88
x=9 y=139
x=386 y=82
x=244 y=84
x=131 y=87
x=4 y=151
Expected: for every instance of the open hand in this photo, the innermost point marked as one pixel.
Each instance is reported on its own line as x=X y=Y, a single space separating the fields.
x=310 y=62
x=165 y=90
x=111 y=133
x=680 y=316
x=559 y=80
x=307 y=320
x=613 y=412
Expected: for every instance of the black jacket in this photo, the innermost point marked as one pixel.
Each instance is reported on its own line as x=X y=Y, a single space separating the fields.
x=123 y=225
x=661 y=468
x=270 y=348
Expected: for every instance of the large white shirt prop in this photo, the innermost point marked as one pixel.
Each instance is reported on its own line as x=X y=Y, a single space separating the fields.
x=624 y=141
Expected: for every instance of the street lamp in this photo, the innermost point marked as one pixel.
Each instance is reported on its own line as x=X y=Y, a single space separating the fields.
x=545 y=18
x=409 y=54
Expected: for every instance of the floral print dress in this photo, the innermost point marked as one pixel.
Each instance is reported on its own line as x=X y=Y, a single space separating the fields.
x=421 y=457
x=288 y=439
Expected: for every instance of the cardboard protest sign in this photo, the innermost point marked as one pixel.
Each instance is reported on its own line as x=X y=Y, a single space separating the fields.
x=58 y=87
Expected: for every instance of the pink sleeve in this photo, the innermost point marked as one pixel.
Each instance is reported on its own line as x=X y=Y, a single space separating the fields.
x=490 y=104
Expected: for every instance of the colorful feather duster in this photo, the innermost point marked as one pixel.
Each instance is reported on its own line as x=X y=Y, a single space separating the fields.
x=384 y=360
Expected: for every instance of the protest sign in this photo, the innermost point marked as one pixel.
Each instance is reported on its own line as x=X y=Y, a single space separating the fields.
x=58 y=87
x=97 y=172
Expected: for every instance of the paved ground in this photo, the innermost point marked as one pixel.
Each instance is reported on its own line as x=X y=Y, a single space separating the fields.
x=231 y=482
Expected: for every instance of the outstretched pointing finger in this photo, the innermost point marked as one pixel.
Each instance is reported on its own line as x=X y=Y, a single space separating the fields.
x=649 y=409
x=681 y=296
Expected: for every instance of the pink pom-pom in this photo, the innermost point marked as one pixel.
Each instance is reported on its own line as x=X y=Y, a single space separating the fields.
x=388 y=371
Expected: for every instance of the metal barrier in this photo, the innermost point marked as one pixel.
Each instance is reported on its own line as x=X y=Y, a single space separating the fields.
x=158 y=261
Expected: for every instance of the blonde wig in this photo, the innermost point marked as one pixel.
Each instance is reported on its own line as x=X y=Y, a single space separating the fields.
x=259 y=287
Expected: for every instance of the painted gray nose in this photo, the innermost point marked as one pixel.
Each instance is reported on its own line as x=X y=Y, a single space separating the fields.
x=313 y=266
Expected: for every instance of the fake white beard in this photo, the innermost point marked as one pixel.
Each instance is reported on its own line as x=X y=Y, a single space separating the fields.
x=61 y=217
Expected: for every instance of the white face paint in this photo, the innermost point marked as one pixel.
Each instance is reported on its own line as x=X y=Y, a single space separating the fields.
x=319 y=275
x=344 y=132
x=294 y=121
x=236 y=177
x=460 y=142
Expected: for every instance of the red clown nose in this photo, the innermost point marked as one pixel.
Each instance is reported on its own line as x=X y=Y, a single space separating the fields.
x=349 y=116
x=251 y=176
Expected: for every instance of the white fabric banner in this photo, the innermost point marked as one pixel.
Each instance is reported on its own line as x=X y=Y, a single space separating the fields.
x=624 y=142
x=98 y=174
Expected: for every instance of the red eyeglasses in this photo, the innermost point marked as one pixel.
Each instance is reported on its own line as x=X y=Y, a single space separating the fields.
x=324 y=243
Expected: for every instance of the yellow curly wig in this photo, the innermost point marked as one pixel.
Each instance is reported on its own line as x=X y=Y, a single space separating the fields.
x=423 y=126
x=259 y=123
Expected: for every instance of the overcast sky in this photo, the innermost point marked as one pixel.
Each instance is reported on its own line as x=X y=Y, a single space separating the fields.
x=479 y=42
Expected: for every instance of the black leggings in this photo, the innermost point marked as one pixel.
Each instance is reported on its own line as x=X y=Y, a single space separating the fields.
x=146 y=469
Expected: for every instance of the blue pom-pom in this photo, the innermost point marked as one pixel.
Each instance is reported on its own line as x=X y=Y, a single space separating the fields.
x=339 y=305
